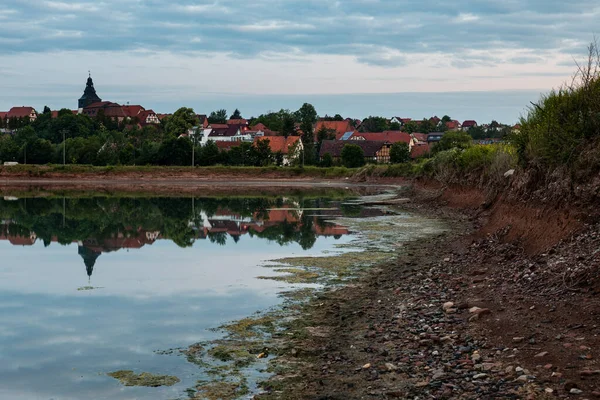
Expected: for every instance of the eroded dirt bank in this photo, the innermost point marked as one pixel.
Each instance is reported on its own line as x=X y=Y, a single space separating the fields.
x=504 y=306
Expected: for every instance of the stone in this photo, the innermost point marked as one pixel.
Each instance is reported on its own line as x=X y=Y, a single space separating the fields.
x=549 y=391
x=446 y=259
x=589 y=373
x=367 y=366
x=518 y=339
x=480 y=376
x=575 y=391
x=509 y=173
x=519 y=369
x=448 y=305
x=390 y=367
x=522 y=378
x=542 y=354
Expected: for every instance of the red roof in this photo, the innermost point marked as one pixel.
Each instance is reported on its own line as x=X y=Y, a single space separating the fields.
x=3 y=114
x=219 y=126
x=279 y=143
x=469 y=123
x=421 y=137
x=386 y=136
x=111 y=110
x=259 y=127
x=454 y=124
x=340 y=127
x=20 y=112
x=419 y=150
x=132 y=111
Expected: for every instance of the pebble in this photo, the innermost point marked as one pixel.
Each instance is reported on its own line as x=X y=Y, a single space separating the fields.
x=542 y=354
x=575 y=391
x=480 y=376
x=366 y=366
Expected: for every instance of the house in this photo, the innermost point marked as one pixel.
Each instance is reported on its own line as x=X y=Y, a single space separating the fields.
x=259 y=127
x=337 y=127
x=468 y=124
x=419 y=150
x=203 y=120
x=453 y=125
x=516 y=129
x=385 y=136
x=132 y=111
x=374 y=151
x=435 y=120
x=21 y=112
x=109 y=109
x=434 y=137
x=148 y=117
x=291 y=147
x=419 y=137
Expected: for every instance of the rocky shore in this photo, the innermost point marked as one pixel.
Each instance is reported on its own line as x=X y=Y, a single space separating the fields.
x=500 y=307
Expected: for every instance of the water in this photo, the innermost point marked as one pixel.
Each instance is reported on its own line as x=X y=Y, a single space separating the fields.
x=94 y=285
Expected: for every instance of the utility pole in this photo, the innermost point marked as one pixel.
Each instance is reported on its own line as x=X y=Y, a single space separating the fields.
x=193 y=149
x=64 y=147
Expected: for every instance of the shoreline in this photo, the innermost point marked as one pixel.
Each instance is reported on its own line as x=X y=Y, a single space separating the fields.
x=461 y=315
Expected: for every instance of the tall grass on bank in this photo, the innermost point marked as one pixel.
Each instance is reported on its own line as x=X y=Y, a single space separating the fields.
x=564 y=126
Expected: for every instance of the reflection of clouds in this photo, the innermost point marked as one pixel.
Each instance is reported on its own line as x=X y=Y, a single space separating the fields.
x=57 y=342
x=110 y=334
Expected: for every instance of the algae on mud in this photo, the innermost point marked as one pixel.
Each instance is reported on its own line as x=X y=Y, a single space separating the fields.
x=130 y=378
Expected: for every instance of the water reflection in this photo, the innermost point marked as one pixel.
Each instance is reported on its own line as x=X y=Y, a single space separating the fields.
x=103 y=225
x=167 y=269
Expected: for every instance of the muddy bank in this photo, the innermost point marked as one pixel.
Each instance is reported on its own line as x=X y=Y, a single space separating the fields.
x=504 y=306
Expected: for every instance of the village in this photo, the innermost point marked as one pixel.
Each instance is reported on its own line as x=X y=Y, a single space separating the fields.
x=292 y=138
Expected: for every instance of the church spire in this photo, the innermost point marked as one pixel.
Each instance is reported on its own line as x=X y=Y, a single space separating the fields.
x=89 y=94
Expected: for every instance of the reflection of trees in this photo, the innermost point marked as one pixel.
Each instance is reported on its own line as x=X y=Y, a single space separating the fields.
x=179 y=219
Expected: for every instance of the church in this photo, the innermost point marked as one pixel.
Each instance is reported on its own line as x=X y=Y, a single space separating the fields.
x=92 y=105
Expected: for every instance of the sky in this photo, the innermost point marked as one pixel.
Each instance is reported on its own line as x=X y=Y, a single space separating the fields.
x=483 y=59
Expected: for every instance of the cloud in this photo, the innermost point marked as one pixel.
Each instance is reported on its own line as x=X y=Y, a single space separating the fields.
x=249 y=28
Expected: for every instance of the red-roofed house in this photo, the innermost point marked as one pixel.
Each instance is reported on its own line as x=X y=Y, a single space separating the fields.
x=453 y=125
x=22 y=112
x=419 y=150
x=385 y=136
x=259 y=127
x=419 y=137
x=148 y=117
x=468 y=124
x=339 y=127
x=291 y=147
x=132 y=111
x=111 y=110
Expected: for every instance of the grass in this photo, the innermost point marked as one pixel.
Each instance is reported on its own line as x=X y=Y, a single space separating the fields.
x=116 y=170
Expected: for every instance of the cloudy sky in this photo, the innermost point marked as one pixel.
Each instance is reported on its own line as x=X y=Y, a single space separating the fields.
x=267 y=54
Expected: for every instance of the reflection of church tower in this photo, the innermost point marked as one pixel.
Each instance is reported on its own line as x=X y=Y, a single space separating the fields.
x=89 y=95
x=89 y=258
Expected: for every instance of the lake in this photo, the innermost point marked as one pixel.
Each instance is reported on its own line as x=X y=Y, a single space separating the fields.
x=91 y=285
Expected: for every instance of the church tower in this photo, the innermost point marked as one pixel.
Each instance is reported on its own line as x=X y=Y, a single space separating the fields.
x=89 y=95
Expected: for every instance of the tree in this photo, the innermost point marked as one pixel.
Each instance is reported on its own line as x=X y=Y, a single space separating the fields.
x=181 y=121
x=478 y=132
x=399 y=153
x=236 y=115
x=324 y=134
x=308 y=117
x=218 y=117
x=353 y=156
x=445 y=119
x=263 y=153
x=395 y=126
x=175 y=151
x=289 y=127
x=374 y=124
x=47 y=110
x=452 y=140
x=210 y=154
x=327 y=160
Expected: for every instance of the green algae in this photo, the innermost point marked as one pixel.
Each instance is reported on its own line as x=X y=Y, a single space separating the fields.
x=130 y=378
x=294 y=275
x=251 y=327
x=222 y=390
